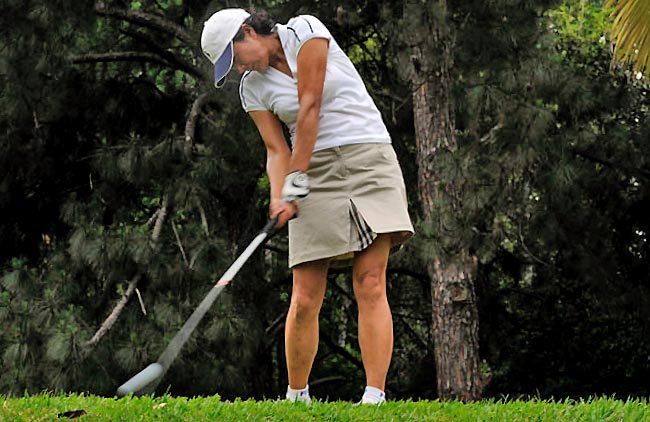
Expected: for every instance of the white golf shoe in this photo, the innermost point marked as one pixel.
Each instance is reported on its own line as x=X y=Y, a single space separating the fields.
x=298 y=395
x=372 y=395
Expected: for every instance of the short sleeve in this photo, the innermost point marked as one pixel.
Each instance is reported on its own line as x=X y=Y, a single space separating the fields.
x=306 y=27
x=248 y=96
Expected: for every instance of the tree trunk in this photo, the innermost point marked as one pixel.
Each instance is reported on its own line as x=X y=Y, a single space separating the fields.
x=455 y=314
x=455 y=330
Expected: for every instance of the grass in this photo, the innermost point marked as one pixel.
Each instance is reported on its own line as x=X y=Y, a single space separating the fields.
x=48 y=407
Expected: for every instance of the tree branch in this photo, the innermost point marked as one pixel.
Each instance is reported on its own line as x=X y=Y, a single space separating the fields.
x=278 y=322
x=180 y=245
x=157 y=228
x=190 y=124
x=145 y=19
x=607 y=163
x=204 y=219
x=172 y=58
x=153 y=217
x=110 y=320
x=276 y=249
x=423 y=343
x=120 y=56
x=410 y=273
x=340 y=350
x=327 y=380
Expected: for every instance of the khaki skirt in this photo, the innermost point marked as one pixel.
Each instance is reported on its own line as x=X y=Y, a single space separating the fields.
x=357 y=192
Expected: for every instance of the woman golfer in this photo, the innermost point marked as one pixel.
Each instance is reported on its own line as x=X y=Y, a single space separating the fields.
x=340 y=184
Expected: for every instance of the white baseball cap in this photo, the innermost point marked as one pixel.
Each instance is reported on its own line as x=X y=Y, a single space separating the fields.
x=216 y=40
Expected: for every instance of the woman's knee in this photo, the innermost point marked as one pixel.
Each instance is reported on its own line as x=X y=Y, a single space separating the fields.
x=305 y=306
x=369 y=271
x=309 y=283
x=370 y=286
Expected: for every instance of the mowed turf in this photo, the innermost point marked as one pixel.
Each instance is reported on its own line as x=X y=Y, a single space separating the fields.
x=48 y=407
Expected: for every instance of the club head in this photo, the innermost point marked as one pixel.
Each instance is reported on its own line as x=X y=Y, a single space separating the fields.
x=143 y=381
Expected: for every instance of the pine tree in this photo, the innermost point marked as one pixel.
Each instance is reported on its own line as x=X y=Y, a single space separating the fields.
x=562 y=279
x=146 y=201
x=454 y=311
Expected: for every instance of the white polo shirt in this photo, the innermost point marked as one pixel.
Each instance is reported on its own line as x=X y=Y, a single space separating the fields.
x=348 y=115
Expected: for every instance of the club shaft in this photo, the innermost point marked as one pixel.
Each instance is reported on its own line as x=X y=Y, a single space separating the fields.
x=181 y=337
x=241 y=260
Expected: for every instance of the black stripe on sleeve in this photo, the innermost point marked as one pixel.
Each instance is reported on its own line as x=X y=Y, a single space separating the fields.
x=305 y=19
x=294 y=33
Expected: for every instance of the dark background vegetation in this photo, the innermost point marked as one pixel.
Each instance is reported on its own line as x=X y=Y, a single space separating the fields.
x=95 y=100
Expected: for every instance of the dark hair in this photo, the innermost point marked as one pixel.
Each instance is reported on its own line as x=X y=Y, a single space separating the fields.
x=261 y=22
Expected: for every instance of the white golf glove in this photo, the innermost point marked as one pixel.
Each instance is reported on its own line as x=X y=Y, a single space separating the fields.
x=296 y=186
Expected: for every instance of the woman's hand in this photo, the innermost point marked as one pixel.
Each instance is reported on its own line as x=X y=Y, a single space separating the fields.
x=285 y=211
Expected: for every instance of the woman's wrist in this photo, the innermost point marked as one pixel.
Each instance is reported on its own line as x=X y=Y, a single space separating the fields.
x=296 y=186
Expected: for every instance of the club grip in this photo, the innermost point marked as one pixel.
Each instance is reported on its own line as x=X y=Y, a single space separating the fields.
x=270 y=225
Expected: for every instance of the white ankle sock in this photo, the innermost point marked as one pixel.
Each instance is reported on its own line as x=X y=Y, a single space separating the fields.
x=298 y=395
x=373 y=395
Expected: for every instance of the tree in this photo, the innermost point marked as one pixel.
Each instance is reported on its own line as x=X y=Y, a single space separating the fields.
x=567 y=281
x=631 y=32
x=161 y=182
x=451 y=266
x=137 y=186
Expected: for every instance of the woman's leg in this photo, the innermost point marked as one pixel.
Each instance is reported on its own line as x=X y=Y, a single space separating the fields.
x=301 y=331
x=375 y=319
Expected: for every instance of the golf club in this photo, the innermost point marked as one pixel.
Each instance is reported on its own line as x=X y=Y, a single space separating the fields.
x=146 y=381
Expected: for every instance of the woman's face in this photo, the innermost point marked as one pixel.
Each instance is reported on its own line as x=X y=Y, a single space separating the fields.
x=250 y=53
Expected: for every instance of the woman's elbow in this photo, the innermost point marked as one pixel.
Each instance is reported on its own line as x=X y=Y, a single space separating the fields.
x=274 y=155
x=311 y=104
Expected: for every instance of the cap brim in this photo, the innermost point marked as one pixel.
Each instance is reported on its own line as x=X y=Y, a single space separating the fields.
x=222 y=66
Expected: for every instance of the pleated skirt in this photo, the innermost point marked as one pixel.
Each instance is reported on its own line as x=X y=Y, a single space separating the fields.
x=357 y=192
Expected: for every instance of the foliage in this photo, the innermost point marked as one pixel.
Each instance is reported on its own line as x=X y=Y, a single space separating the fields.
x=553 y=158
x=631 y=32
x=118 y=154
x=127 y=151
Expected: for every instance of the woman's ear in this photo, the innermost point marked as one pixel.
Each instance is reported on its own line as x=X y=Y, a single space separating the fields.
x=249 y=31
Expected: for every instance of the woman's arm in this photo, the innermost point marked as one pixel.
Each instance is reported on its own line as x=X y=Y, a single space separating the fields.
x=278 y=155
x=312 y=64
x=277 y=150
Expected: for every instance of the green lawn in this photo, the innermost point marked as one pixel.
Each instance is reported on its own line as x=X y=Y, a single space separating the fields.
x=47 y=407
